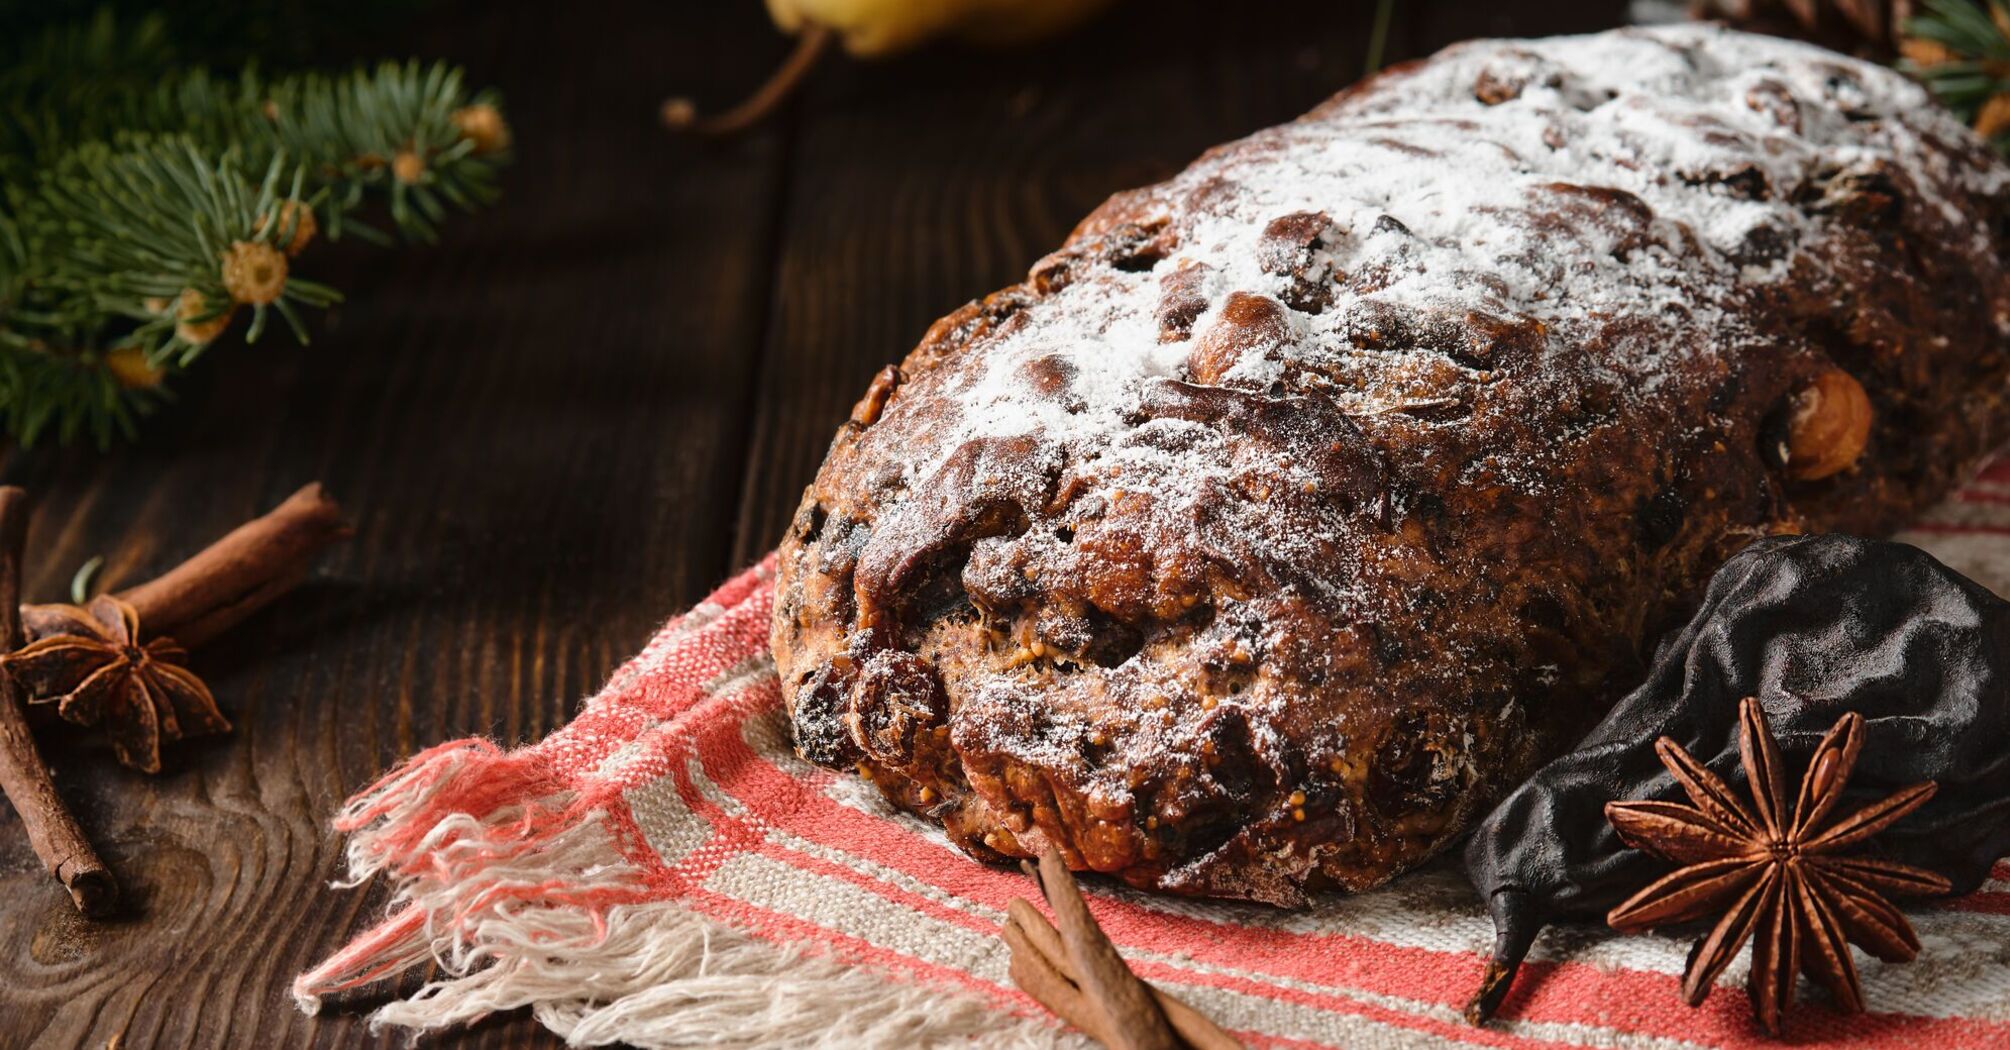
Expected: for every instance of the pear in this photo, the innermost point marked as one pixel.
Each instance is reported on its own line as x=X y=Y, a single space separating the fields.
x=871 y=28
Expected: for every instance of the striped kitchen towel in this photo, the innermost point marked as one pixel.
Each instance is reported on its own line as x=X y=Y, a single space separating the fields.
x=665 y=872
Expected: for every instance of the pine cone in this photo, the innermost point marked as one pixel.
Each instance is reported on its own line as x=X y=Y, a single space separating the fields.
x=1865 y=28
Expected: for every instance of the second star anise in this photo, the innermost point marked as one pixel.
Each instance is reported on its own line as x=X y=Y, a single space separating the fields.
x=1777 y=877
x=89 y=662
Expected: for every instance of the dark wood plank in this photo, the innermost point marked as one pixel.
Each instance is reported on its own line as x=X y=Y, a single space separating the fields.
x=535 y=425
x=1442 y=22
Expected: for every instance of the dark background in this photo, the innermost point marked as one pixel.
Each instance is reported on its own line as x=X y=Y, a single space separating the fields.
x=567 y=421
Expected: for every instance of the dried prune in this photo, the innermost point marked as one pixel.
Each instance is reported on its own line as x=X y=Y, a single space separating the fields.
x=1813 y=626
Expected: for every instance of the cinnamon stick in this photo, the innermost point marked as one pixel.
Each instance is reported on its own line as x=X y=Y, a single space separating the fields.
x=242 y=572
x=1029 y=926
x=1037 y=973
x=1136 y=1022
x=1076 y=972
x=52 y=831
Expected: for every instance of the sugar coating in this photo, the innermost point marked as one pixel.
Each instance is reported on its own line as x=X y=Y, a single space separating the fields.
x=1668 y=114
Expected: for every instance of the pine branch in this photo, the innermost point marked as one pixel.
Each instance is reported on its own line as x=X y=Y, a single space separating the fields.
x=155 y=231
x=45 y=382
x=76 y=82
x=405 y=131
x=147 y=206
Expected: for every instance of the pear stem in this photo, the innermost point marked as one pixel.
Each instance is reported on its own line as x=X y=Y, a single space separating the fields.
x=680 y=114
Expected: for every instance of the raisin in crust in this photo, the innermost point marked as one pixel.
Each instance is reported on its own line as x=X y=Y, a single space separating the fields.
x=1300 y=505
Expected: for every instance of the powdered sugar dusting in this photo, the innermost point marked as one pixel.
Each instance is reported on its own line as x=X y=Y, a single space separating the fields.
x=1433 y=194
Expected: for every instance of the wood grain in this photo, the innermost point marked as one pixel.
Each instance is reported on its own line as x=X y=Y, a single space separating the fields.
x=563 y=424
x=532 y=426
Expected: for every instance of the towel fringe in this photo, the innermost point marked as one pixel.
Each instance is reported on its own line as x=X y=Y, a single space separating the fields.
x=566 y=930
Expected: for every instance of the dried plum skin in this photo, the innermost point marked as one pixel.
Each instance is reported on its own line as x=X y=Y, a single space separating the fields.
x=1814 y=626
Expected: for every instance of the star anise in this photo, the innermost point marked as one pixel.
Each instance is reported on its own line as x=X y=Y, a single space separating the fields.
x=90 y=663
x=1777 y=877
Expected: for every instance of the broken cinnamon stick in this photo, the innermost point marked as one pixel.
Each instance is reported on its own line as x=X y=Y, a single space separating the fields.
x=1189 y=1024
x=52 y=831
x=242 y=572
x=1037 y=974
x=1136 y=1021
x=1076 y=972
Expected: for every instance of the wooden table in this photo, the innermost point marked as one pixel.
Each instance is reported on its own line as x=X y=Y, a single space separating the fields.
x=564 y=423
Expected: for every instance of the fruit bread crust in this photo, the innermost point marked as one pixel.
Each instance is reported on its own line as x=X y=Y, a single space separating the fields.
x=1300 y=505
